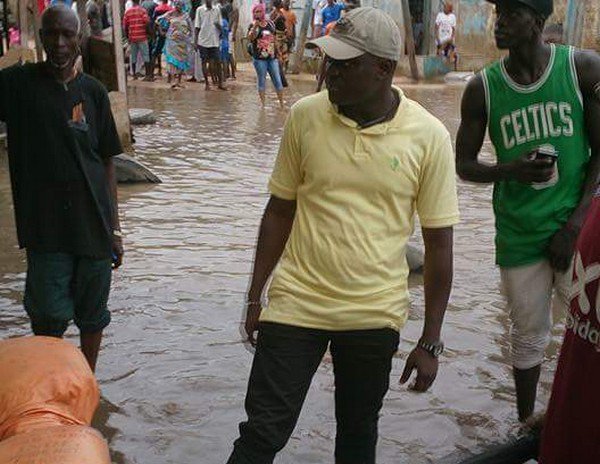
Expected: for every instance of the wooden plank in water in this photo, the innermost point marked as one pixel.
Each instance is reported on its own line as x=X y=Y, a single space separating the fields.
x=118 y=41
x=118 y=104
x=23 y=23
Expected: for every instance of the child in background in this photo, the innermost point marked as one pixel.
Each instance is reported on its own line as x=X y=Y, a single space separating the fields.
x=230 y=64
x=224 y=48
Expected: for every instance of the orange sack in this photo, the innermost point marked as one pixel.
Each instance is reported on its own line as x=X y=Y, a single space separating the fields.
x=59 y=444
x=48 y=396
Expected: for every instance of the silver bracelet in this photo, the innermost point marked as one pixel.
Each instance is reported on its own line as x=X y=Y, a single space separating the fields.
x=253 y=303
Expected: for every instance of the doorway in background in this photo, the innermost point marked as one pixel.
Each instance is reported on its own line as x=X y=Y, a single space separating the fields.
x=422 y=28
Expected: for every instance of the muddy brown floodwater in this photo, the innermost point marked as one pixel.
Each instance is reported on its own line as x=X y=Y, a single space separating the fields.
x=173 y=371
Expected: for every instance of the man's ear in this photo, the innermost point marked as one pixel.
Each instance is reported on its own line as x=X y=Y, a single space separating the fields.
x=386 y=67
x=541 y=24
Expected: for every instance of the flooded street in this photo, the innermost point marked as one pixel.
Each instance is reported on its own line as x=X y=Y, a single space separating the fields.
x=173 y=371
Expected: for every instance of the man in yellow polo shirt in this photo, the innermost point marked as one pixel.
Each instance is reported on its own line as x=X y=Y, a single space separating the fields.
x=356 y=163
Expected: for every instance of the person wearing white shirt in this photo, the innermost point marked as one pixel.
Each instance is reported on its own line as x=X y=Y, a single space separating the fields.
x=208 y=25
x=445 y=32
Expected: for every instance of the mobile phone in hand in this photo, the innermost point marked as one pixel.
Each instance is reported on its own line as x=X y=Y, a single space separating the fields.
x=547 y=153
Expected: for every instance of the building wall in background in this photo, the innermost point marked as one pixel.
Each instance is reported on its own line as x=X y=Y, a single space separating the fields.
x=475 y=34
x=591 y=28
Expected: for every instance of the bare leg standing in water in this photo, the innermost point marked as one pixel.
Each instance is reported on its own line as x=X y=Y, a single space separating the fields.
x=219 y=73
x=177 y=85
x=206 y=71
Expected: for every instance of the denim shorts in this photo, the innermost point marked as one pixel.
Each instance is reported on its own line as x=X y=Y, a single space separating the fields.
x=142 y=48
x=61 y=287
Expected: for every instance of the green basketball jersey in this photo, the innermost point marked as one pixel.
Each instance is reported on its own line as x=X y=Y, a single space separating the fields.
x=520 y=119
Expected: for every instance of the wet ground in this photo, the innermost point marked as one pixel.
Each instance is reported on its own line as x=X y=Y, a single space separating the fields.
x=173 y=371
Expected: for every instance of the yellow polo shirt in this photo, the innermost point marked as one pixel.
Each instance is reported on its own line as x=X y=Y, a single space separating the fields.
x=357 y=191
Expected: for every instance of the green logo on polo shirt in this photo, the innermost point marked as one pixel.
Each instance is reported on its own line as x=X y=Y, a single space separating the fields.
x=395 y=163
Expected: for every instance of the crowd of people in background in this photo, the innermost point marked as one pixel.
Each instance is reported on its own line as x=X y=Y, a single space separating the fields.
x=150 y=24
x=197 y=39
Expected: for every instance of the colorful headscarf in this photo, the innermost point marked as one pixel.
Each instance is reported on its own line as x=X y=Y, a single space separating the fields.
x=259 y=7
x=182 y=5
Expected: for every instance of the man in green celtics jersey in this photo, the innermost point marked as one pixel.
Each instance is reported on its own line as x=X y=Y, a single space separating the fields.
x=541 y=105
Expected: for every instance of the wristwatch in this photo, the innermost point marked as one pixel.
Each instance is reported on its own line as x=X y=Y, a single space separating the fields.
x=434 y=349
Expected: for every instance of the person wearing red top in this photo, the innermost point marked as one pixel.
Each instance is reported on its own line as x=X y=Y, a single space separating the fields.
x=571 y=431
x=136 y=24
x=162 y=8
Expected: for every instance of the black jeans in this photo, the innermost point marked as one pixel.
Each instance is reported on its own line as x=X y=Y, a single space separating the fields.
x=285 y=361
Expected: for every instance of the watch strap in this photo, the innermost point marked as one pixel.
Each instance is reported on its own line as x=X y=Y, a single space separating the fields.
x=434 y=349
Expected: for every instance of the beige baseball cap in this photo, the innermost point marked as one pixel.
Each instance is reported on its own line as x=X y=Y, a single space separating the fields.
x=360 y=31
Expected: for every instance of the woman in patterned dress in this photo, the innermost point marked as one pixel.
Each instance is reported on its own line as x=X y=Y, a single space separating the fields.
x=178 y=47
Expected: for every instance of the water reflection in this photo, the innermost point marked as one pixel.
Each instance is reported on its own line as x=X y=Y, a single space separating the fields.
x=173 y=371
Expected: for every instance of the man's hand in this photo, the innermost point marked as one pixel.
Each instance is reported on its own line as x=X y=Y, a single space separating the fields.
x=253 y=311
x=426 y=366
x=529 y=170
x=117 y=250
x=562 y=249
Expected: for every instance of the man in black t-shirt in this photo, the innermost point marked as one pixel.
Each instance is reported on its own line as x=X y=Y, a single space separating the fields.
x=61 y=140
